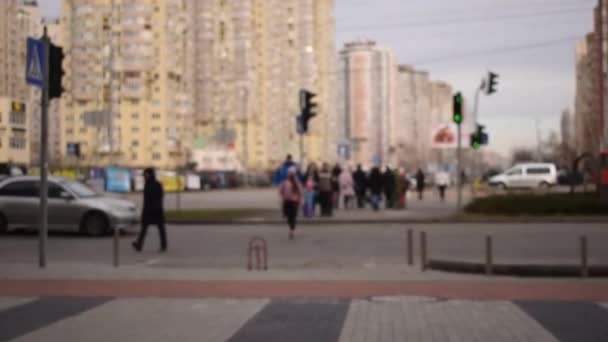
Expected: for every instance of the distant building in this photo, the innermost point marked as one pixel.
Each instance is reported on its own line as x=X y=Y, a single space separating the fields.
x=587 y=120
x=567 y=129
x=131 y=59
x=253 y=57
x=368 y=83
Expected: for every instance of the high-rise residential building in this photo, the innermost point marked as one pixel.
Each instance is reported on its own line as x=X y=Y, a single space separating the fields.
x=567 y=129
x=18 y=101
x=423 y=105
x=587 y=119
x=368 y=85
x=128 y=82
x=253 y=57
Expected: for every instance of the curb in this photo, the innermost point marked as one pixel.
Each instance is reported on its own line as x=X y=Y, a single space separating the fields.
x=440 y=220
x=521 y=270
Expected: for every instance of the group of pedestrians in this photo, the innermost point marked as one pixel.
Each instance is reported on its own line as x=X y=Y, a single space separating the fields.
x=327 y=188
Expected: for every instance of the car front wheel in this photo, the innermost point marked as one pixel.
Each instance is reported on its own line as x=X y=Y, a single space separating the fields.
x=95 y=224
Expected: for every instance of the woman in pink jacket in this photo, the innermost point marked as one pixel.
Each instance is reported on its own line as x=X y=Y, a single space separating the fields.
x=291 y=193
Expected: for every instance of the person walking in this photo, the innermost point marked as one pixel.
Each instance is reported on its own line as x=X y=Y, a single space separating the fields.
x=153 y=211
x=376 y=187
x=347 y=189
x=420 y=183
x=291 y=193
x=360 y=180
x=442 y=179
x=400 y=188
x=311 y=183
x=325 y=190
x=388 y=180
x=335 y=186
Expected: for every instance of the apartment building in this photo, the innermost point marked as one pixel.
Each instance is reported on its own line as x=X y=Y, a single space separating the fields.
x=18 y=101
x=128 y=80
x=253 y=57
x=587 y=120
x=368 y=88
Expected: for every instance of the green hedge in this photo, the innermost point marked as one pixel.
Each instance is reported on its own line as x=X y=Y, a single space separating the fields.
x=538 y=204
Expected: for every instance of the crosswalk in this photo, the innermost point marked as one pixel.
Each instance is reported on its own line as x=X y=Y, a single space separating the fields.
x=386 y=319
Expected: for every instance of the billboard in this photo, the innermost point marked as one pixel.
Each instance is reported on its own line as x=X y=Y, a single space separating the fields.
x=446 y=136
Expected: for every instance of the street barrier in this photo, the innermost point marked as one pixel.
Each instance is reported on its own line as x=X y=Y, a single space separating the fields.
x=410 y=247
x=116 y=240
x=423 y=261
x=489 y=255
x=584 y=261
x=259 y=248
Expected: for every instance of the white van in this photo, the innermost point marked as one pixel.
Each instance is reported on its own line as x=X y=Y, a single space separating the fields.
x=527 y=175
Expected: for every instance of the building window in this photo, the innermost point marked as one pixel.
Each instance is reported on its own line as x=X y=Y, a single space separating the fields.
x=17 y=118
x=155 y=129
x=156 y=156
x=134 y=129
x=134 y=116
x=17 y=140
x=155 y=115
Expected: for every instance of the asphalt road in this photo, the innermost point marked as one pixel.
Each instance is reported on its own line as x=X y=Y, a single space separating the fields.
x=324 y=247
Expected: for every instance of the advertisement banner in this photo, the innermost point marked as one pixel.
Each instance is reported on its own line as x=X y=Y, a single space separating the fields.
x=446 y=136
x=193 y=181
x=118 y=179
x=171 y=181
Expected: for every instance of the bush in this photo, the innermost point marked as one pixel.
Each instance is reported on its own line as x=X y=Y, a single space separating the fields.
x=538 y=204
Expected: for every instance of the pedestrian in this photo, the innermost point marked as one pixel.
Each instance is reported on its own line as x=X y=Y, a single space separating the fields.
x=442 y=179
x=311 y=184
x=420 y=183
x=376 y=187
x=347 y=188
x=153 y=212
x=388 y=178
x=360 y=180
x=325 y=190
x=291 y=193
x=335 y=186
x=400 y=188
x=281 y=172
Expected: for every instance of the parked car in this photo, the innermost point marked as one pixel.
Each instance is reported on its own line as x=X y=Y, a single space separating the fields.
x=567 y=177
x=528 y=175
x=71 y=205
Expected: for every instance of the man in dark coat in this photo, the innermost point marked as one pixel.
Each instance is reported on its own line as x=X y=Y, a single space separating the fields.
x=153 y=212
x=389 y=187
x=360 y=186
x=376 y=187
x=335 y=186
x=420 y=183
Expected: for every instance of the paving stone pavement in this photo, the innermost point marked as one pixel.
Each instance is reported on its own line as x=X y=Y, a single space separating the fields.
x=381 y=319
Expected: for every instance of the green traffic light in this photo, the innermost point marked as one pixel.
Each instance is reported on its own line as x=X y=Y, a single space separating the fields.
x=457 y=118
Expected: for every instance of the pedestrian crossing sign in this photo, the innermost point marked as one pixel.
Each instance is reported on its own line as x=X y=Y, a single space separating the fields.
x=34 y=72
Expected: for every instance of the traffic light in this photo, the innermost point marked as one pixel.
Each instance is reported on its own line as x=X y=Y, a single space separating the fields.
x=492 y=83
x=55 y=71
x=308 y=108
x=479 y=137
x=457 y=112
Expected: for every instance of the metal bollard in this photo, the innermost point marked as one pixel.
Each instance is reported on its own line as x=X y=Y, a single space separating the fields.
x=489 y=255
x=116 y=247
x=423 y=262
x=258 y=248
x=410 y=247
x=584 y=261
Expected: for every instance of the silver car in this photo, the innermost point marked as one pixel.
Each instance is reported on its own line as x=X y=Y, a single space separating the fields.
x=72 y=205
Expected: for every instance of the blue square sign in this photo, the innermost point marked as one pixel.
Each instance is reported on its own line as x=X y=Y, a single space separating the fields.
x=34 y=69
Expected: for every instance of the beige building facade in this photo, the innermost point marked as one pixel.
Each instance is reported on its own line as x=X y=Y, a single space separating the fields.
x=19 y=103
x=253 y=57
x=128 y=80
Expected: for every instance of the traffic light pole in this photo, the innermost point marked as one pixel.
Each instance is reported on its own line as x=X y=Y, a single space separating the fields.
x=42 y=233
x=459 y=161
x=476 y=154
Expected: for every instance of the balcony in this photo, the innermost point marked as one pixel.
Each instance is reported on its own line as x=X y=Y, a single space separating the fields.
x=133 y=89
x=135 y=63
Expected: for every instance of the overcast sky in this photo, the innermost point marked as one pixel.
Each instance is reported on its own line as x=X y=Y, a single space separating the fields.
x=530 y=43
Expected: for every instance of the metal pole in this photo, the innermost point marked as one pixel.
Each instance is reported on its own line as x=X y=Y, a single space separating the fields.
x=116 y=247
x=459 y=162
x=44 y=155
x=476 y=154
x=410 y=247
x=301 y=149
x=423 y=261
x=584 y=261
x=489 y=254
x=109 y=104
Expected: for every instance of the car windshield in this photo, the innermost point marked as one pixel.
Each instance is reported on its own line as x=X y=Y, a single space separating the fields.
x=80 y=189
